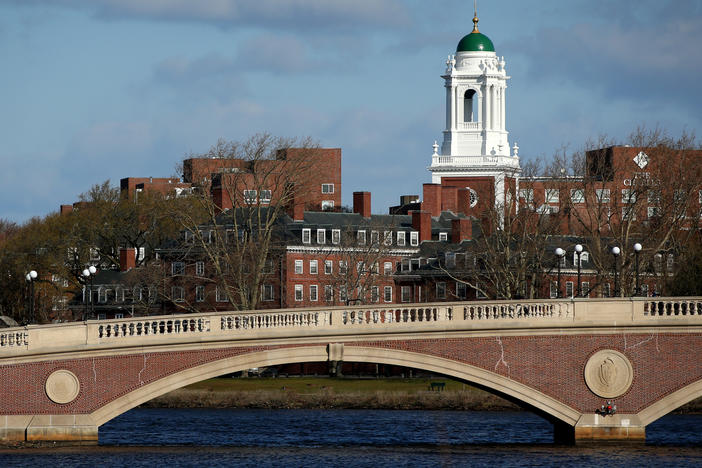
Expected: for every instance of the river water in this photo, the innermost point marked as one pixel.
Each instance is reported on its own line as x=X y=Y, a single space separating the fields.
x=354 y=438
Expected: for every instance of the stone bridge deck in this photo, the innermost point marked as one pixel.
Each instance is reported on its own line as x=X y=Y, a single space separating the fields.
x=561 y=358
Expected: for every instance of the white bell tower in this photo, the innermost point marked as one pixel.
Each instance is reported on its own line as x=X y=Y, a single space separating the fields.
x=475 y=139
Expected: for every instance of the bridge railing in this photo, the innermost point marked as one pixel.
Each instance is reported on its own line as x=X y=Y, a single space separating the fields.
x=352 y=321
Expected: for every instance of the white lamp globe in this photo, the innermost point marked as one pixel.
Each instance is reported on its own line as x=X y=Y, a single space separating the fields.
x=92 y=270
x=616 y=250
x=560 y=252
x=578 y=248
x=637 y=247
x=86 y=272
x=33 y=274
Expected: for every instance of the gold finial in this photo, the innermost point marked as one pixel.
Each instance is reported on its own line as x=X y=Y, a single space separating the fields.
x=475 y=16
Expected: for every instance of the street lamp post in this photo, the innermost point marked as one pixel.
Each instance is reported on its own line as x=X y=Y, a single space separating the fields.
x=579 y=251
x=616 y=251
x=637 y=249
x=31 y=276
x=92 y=270
x=559 y=255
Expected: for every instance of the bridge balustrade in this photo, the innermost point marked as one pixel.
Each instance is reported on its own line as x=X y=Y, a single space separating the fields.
x=518 y=311
x=153 y=327
x=674 y=307
x=14 y=339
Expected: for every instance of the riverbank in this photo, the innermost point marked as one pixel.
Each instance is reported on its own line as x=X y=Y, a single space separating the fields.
x=340 y=393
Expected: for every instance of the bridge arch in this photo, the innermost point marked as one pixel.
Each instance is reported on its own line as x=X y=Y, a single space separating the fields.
x=547 y=406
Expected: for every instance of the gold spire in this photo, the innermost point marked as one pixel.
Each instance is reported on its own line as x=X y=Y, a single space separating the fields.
x=475 y=16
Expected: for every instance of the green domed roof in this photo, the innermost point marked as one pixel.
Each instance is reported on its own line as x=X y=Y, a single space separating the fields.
x=475 y=42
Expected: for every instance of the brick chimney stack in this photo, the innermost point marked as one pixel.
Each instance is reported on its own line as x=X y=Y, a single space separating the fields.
x=65 y=209
x=362 y=203
x=127 y=259
x=448 y=198
x=461 y=229
x=432 y=199
x=421 y=222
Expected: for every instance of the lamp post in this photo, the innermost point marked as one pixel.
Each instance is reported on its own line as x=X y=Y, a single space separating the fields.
x=31 y=276
x=616 y=251
x=578 y=251
x=88 y=274
x=637 y=249
x=559 y=255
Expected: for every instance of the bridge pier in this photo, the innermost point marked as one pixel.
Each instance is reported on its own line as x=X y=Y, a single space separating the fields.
x=598 y=429
x=48 y=429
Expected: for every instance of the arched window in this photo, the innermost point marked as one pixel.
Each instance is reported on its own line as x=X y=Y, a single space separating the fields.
x=470 y=105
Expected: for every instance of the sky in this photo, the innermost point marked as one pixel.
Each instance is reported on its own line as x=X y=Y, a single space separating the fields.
x=92 y=90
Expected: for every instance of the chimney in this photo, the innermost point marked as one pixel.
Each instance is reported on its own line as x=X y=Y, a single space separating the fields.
x=298 y=209
x=127 y=259
x=65 y=209
x=448 y=198
x=421 y=222
x=362 y=203
x=432 y=199
x=461 y=229
x=463 y=201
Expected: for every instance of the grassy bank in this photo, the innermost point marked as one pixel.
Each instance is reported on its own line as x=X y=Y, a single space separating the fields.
x=310 y=392
x=339 y=393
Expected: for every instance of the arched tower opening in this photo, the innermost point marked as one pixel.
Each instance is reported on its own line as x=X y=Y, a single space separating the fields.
x=470 y=106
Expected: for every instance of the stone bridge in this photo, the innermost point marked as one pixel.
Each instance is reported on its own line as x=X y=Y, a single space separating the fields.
x=561 y=358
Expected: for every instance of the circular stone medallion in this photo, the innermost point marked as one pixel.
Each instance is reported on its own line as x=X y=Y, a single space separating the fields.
x=608 y=373
x=62 y=386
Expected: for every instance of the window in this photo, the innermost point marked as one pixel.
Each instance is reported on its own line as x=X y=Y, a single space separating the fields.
x=606 y=290
x=602 y=195
x=177 y=293
x=94 y=254
x=328 y=267
x=443 y=236
x=450 y=259
x=569 y=289
x=206 y=236
x=221 y=295
x=401 y=238
x=527 y=195
x=321 y=236
x=327 y=188
x=552 y=195
x=387 y=268
x=375 y=293
x=644 y=290
x=329 y=293
x=268 y=266
x=267 y=292
x=585 y=289
x=140 y=254
x=343 y=267
x=360 y=267
x=250 y=196
x=119 y=316
x=553 y=293
x=306 y=236
x=679 y=196
x=406 y=293
x=479 y=292
x=298 y=292
x=177 y=268
x=375 y=237
x=670 y=263
x=584 y=257
x=577 y=196
x=441 y=290
x=313 y=292
x=628 y=196
x=658 y=262
x=119 y=295
x=199 y=293
x=298 y=267
x=654 y=197
x=653 y=212
x=313 y=267
x=342 y=293
x=327 y=205
x=374 y=268
x=336 y=236
x=461 y=290
x=265 y=196
x=361 y=237
x=387 y=294
x=387 y=238
x=628 y=213
x=200 y=268
x=414 y=238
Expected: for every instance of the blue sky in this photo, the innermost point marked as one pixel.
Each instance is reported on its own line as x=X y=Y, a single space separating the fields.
x=105 y=89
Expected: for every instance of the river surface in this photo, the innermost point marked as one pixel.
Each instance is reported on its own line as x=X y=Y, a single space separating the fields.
x=354 y=438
